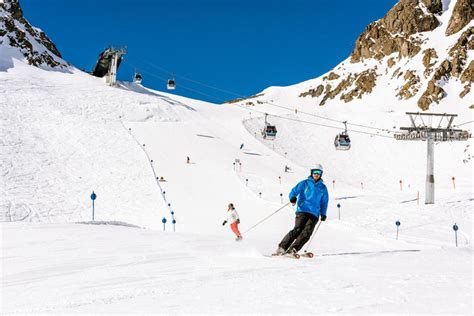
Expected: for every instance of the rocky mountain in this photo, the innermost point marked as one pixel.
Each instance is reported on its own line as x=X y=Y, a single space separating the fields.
x=31 y=42
x=421 y=48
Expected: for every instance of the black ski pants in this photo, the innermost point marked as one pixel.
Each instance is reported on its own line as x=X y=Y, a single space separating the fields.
x=301 y=233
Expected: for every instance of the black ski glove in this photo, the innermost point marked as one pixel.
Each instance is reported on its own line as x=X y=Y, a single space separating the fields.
x=323 y=217
x=293 y=200
x=238 y=221
x=225 y=222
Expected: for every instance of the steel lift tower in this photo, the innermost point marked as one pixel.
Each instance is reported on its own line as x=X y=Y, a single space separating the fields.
x=423 y=131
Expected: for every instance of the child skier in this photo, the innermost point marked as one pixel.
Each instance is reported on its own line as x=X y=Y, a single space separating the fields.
x=233 y=218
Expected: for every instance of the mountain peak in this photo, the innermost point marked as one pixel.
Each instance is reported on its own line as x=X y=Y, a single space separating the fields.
x=413 y=33
x=16 y=32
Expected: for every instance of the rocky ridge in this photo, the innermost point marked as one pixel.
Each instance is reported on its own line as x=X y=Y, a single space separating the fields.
x=33 y=44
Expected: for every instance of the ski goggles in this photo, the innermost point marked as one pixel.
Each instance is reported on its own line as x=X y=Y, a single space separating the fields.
x=316 y=171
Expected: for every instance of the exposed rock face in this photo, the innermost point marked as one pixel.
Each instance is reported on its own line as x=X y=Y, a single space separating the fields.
x=458 y=53
x=16 y=31
x=359 y=84
x=313 y=92
x=463 y=13
x=391 y=62
x=453 y=66
x=410 y=88
x=392 y=33
x=364 y=83
x=433 y=93
x=468 y=74
x=467 y=78
x=429 y=59
x=434 y=6
x=408 y=18
x=377 y=42
x=331 y=76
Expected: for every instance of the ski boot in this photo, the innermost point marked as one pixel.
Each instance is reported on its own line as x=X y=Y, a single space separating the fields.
x=279 y=252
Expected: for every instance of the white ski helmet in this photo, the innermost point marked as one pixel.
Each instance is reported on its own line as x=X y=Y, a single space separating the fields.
x=317 y=167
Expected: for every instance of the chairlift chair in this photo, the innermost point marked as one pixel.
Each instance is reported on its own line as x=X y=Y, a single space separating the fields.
x=342 y=140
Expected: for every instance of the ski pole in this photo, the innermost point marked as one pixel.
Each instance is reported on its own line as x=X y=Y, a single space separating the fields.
x=261 y=221
x=314 y=234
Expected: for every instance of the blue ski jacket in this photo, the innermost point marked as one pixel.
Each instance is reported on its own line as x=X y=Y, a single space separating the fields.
x=312 y=196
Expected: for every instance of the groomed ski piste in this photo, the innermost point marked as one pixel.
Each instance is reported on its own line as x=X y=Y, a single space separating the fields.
x=66 y=134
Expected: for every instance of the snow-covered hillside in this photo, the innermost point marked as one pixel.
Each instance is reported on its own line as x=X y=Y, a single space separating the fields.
x=65 y=134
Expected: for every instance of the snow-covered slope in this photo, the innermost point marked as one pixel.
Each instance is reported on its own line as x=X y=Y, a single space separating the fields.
x=64 y=134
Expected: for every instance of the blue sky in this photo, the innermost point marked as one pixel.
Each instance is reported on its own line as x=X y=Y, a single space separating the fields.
x=236 y=46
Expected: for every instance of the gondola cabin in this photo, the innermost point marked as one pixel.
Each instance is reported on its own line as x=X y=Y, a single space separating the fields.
x=269 y=132
x=342 y=141
x=171 y=85
x=137 y=78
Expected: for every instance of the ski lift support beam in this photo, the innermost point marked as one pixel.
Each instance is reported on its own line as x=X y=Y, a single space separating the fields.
x=430 y=134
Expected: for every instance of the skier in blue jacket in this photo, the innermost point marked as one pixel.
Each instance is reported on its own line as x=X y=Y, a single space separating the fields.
x=312 y=196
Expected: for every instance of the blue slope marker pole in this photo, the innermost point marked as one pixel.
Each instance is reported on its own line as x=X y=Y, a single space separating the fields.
x=164 y=223
x=174 y=224
x=339 y=210
x=93 y=197
x=398 y=225
x=455 y=228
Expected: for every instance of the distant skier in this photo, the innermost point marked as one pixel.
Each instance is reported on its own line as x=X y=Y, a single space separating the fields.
x=312 y=196
x=233 y=218
x=241 y=146
x=287 y=168
x=188 y=160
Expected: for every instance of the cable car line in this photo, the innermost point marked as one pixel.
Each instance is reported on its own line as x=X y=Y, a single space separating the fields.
x=313 y=123
x=266 y=102
x=197 y=82
x=279 y=116
x=276 y=105
x=462 y=124
x=184 y=87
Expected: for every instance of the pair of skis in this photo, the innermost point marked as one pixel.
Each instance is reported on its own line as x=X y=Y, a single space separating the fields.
x=305 y=254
